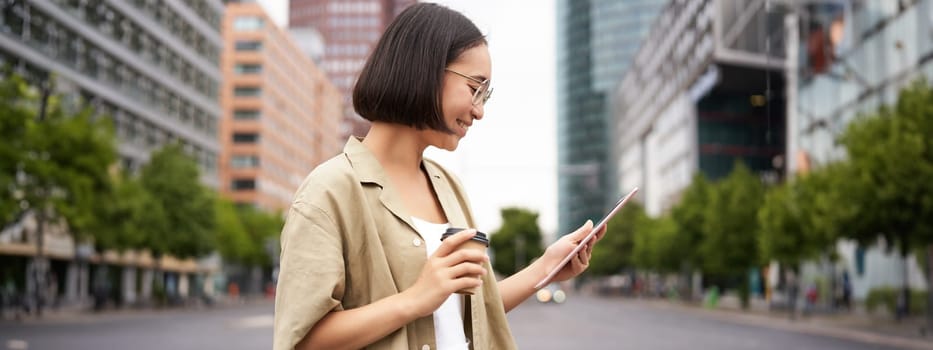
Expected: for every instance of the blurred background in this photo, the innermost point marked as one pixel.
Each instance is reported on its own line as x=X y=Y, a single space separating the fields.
x=149 y=148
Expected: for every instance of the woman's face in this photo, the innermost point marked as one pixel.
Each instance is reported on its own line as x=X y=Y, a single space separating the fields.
x=457 y=96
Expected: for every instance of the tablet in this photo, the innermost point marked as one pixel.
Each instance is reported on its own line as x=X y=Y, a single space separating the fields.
x=601 y=225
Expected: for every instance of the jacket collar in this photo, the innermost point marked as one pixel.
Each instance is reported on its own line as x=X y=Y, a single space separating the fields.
x=369 y=171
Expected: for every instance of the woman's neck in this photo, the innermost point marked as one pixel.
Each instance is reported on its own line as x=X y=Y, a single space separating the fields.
x=398 y=148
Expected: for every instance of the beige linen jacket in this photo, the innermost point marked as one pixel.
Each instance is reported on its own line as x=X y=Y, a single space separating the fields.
x=348 y=242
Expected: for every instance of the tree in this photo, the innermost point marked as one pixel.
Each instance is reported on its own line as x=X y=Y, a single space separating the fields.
x=613 y=253
x=690 y=216
x=173 y=181
x=233 y=242
x=54 y=162
x=130 y=214
x=891 y=159
x=14 y=117
x=794 y=219
x=730 y=244
x=263 y=228
x=517 y=242
x=657 y=245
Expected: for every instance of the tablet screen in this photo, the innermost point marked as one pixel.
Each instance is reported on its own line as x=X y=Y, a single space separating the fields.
x=602 y=224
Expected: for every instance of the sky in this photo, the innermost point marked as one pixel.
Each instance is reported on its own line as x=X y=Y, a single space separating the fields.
x=509 y=158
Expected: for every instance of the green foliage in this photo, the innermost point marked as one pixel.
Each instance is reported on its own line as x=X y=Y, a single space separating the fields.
x=887 y=297
x=891 y=160
x=14 y=117
x=690 y=216
x=614 y=252
x=730 y=245
x=129 y=215
x=795 y=219
x=517 y=242
x=263 y=229
x=61 y=157
x=243 y=233
x=233 y=242
x=173 y=181
x=658 y=245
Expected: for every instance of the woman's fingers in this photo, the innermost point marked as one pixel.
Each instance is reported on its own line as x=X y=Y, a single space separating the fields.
x=451 y=243
x=464 y=255
x=466 y=269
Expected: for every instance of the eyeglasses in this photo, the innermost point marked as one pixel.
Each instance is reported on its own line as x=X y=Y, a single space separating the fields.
x=482 y=92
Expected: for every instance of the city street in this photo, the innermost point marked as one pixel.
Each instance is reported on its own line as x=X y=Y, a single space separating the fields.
x=614 y=323
x=232 y=328
x=580 y=323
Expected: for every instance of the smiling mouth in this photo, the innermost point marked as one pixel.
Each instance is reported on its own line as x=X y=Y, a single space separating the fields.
x=462 y=124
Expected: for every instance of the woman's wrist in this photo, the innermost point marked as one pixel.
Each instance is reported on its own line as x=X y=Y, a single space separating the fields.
x=411 y=307
x=537 y=270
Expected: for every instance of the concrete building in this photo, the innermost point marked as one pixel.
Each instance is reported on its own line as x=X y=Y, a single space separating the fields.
x=694 y=99
x=153 y=66
x=281 y=113
x=596 y=41
x=350 y=30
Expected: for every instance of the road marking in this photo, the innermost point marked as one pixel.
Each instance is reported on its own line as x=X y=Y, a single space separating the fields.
x=261 y=321
x=17 y=344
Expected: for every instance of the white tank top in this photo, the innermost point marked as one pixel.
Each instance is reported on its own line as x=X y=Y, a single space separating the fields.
x=448 y=324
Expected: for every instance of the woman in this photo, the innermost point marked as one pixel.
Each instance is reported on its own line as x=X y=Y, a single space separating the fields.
x=362 y=263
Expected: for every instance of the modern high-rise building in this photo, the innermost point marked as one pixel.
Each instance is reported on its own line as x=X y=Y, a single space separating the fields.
x=350 y=30
x=596 y=41
x=281 y=113
x=150 y=65
x=704 y=90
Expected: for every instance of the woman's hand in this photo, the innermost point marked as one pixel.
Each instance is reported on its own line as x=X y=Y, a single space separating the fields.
x=445 y=272
x=556 y=252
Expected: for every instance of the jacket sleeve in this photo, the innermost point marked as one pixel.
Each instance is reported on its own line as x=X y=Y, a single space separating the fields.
x=311 y=274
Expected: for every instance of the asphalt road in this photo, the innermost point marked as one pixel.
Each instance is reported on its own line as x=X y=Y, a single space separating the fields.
x=597 y=323
x=579 y=323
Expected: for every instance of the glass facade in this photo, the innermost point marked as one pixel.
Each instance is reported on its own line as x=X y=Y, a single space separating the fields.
x=350 y=30
x=889 y=46
x=596 y=40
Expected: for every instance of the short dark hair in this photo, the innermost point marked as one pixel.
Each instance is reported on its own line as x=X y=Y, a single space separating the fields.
x=401 y=81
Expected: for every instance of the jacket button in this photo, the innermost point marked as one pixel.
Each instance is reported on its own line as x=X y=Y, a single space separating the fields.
x=425 y=347
x=417 y=243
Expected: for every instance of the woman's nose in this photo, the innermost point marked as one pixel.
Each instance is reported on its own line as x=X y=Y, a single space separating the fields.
x=478 y=110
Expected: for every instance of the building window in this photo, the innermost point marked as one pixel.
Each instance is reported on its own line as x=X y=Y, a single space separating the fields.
x=246 y=91
x=246 y=114
x=243 y=184
x=247 y=68
x=247 y=23
x=251 y=45
x=244 y=161
x=245 y=137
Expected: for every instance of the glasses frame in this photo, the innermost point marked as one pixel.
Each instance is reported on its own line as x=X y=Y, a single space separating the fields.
x=483 y=91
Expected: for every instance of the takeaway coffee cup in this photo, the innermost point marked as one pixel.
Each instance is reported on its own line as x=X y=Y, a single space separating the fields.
x=478 y=242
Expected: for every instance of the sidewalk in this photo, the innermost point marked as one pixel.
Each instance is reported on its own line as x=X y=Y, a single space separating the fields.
x=85 y=314
x=911 y=333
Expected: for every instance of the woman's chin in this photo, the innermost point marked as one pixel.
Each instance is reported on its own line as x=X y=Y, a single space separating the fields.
x=451 y=144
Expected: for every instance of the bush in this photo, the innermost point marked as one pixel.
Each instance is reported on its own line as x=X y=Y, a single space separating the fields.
x=887 y=297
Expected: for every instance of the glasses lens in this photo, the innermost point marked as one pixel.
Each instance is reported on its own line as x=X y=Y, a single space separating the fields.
x=482 y=93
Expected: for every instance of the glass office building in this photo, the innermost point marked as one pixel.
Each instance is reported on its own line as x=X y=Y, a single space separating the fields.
x=596 y=40
x=885 y=46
